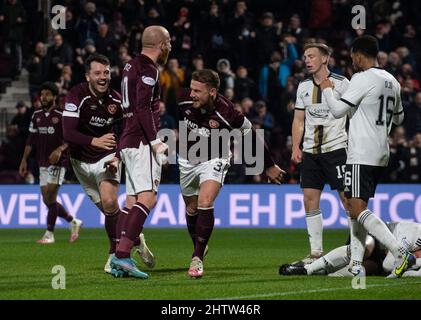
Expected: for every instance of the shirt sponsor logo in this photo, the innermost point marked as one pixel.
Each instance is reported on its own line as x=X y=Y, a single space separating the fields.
x=51 y=130
x=100 y=122
x=55 y=120
x=148 y=80
x=70 y=107
x=112 y=108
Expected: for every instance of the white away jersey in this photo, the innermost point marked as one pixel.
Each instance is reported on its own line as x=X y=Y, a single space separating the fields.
x=374 y=97
x=323 y=133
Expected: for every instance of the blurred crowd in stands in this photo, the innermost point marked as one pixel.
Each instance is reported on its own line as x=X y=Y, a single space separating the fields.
x=256 y=47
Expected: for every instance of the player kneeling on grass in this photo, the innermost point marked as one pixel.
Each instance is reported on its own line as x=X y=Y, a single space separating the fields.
x=46 y=136
x=377 y=261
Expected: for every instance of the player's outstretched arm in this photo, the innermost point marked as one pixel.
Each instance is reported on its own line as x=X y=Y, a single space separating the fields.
x=338 y=108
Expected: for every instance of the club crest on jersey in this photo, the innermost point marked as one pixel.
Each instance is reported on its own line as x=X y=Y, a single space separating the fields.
x=148 y=80
x=213 y=124
x=112 y=108
x=55 y=120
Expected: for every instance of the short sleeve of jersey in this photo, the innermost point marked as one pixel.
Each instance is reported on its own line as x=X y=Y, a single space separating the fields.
x=398 y=104
x=71 y=106
x=299 y=103
x=356 y=90
x=344 y=84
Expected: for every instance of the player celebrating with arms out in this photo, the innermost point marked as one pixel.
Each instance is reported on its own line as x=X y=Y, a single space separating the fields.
x=202 y=109
x=373 y=97
x=46 y=135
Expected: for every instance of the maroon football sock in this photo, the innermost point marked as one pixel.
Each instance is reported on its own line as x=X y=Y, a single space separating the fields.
x=51 y=216
x=111 y=229
x=62 y=213
x=204 y=228
x=120 y=223
x=132 y=228
x=191 y=226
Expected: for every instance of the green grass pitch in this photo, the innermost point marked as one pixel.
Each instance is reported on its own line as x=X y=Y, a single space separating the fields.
x=241 y=264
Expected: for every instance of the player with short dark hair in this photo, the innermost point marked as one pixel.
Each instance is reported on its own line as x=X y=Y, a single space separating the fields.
x=374 y=102
x=90 y=113
x=202 y=109
x=323 y=139
x=46 y=136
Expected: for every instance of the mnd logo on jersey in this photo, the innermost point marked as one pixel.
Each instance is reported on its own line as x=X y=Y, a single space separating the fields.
x=100 y=122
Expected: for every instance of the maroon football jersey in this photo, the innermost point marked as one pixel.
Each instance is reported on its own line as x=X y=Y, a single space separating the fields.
x=223 y=116
x=140 y=90
x=86 y=116
x=45 y=135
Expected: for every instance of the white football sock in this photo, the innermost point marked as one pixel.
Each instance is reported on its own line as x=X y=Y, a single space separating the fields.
x=314 y=221
x=358 y=236
x=381 y=232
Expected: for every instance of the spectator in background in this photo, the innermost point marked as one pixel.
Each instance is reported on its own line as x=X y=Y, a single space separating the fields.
x=117 y=27
x=412 y=121
x=88 y=22
x=226 y=76
x=382 y=58
x=182 y=36
x=244 y=87
x=263 y=116
x=196 y=65
x=172 y=80
x=295 y=29
x=106 y=43
x=11 y=149
x=22 y=119
x=59 y=54
x=266 y=37
x=64 y=82
x=273 y=76
x=247 y=107
x=240 y=32
x=12 y=18
x=229 y=94
x=36 y=68
x=69 y=35
x=394 y=63
x=166 y=120
x=414 y=168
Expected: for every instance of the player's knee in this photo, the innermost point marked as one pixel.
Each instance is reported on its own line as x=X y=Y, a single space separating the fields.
x=191 y=208
x=311 y=203
x=109 y=204
x=148 y=199
x=207 y=202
